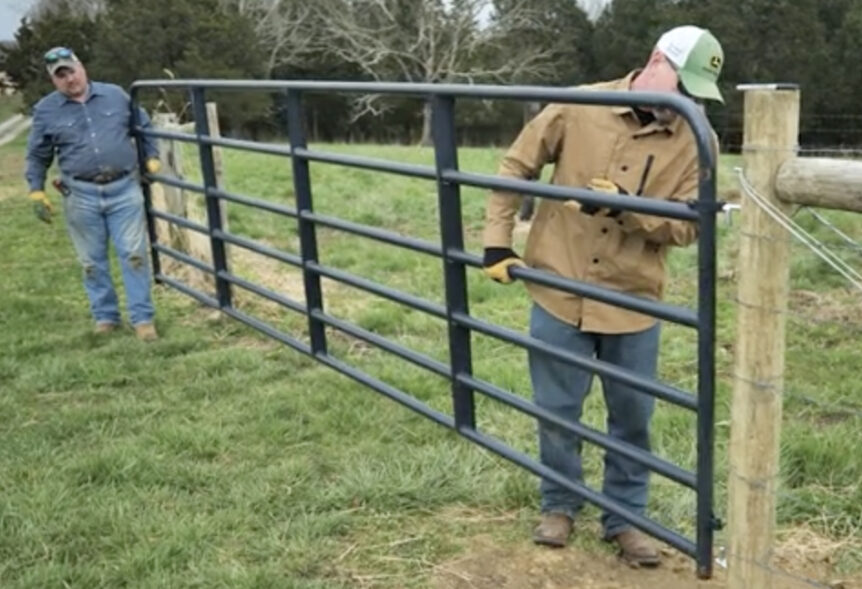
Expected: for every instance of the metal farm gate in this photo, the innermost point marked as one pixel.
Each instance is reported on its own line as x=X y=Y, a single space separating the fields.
x=455 y=261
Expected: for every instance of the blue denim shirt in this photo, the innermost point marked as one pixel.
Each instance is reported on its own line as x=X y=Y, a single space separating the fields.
x=89 y=138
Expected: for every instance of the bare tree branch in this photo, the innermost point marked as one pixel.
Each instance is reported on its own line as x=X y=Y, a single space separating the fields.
x=283 y=28
x=436 y=41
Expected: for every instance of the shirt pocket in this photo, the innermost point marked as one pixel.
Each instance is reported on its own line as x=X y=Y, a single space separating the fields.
x=113 y=118
x=66 y=130
x=636 y=266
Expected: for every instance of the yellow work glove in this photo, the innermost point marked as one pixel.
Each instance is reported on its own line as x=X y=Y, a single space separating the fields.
x=603 y=185
x=154 y=165
x=41 y=205
x=498 y=261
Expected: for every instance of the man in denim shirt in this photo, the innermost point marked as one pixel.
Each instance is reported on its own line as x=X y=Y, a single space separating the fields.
x=87 y=125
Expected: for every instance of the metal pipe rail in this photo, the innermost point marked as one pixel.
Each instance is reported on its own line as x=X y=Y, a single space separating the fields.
x=455 y=262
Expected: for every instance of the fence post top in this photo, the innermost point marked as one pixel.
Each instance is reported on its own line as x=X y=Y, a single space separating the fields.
x=775 y=86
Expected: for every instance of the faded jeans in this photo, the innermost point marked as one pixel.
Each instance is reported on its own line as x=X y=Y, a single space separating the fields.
x=562 y=388
x=96 y=213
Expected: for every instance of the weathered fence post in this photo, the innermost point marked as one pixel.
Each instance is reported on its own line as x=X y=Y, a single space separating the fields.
x=770 y=136
x=176 y=201
x=169 y=198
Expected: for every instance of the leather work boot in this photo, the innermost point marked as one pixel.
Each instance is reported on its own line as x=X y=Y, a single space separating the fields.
x=553 y=530
x=637 y=549
x=103 y=327
x=146 y=332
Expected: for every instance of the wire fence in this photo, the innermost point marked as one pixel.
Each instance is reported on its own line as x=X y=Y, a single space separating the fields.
x=837 y=250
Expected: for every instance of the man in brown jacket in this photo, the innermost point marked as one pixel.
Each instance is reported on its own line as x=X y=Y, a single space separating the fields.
x=617 y=150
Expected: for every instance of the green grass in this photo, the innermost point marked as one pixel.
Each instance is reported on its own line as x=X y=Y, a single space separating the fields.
x=9 y=105
x=217 y=458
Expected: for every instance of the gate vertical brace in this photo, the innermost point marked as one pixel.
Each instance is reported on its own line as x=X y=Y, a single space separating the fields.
x=307 y=231
x=706 y=250
x=146 y=189
x=214 y=220
x=454 y=272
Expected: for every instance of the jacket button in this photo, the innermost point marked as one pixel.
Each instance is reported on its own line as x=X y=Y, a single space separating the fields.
x=625 y=168
x=604 y=229
x=595 y=260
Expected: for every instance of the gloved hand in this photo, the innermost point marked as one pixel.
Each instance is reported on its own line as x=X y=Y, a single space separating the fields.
x=41 y=205
x=497 y=262
x=154 y=165
x=603 y=185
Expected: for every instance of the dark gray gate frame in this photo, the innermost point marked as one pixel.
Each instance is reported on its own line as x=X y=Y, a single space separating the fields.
x=449 y=179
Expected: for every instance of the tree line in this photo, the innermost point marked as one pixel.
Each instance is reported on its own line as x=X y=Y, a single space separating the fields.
x=549 y=42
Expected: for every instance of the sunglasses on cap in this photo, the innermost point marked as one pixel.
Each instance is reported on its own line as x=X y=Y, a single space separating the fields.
x=55 y=55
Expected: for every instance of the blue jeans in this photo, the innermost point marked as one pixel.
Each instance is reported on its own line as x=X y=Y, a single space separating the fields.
x=95 y=213
x=562 y=388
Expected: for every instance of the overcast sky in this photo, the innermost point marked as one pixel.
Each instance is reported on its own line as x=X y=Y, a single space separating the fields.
x=11 y=12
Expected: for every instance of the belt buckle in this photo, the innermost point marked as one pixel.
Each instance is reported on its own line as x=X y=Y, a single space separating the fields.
x=106 y=177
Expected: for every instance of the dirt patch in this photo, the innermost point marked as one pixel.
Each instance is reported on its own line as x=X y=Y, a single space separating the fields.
x=525 y=566
x=804 y=552
x=828 y=307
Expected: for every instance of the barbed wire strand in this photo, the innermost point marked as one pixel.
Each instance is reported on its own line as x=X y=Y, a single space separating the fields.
x=853 y=244
x=830 y=257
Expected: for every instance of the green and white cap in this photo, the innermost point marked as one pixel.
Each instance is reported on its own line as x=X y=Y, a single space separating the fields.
x=697 y=56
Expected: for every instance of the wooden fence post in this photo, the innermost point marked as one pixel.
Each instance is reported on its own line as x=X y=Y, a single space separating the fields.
x=169 y=198
x=770 y=138
x=174 y=200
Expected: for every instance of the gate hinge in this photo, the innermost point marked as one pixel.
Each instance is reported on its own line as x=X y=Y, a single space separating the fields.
x=715 y=206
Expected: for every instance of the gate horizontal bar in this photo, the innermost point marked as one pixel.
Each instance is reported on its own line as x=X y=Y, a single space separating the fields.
x=649 y=206
x=685 y=107
x=185 y=258
x=246 y=145
x=387 y=390
x=397 y=296
x=259 y=248
x=242 y=144
x=383 y=343
x=160 y=133
x=201 y=297
x=673 y=313
x=265 y=293
x=176 y=183
x=602 y=501
x=627 y=377
x=367 y=163
x=180 y=221
x=411 y=243
x=653 y=462
x=257 y=203
x=267 y=329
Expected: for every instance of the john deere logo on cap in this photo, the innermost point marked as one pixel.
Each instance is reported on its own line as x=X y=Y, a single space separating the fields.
x=715 y=62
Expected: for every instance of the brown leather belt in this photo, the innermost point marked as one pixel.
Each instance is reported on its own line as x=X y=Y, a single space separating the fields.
x=102 y=178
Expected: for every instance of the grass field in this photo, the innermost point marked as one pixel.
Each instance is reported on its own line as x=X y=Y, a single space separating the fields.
x=217 y=458
x=9 y=105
